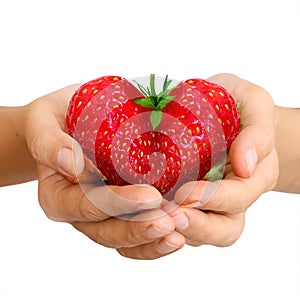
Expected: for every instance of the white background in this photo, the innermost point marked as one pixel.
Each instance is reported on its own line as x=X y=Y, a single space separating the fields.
x=46 y=45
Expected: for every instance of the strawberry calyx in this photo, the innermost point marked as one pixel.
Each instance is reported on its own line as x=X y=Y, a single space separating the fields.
x=155 y=101
x=216 y=172
x=239 y=106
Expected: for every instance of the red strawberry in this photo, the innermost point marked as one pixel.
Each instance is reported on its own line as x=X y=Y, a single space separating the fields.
x=165 y=139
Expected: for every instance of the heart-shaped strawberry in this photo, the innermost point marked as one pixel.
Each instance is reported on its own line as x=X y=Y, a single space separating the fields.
x=138 y=135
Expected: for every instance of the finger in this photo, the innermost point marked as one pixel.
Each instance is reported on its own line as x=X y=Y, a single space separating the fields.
x=64 y=201
x=117 y=233
x=46 y=139
x=233 y=194
x=54 y=148
x=256 y=140
x=169 y=244
x=210 y=228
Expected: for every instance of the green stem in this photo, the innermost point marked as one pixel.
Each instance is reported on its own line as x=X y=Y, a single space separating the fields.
x=152 y=85
x=155 y=101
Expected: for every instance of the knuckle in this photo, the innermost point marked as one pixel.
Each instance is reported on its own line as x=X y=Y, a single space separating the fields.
x=136 y=233
x=87 y=211
x=132 y=236
x=103 y=237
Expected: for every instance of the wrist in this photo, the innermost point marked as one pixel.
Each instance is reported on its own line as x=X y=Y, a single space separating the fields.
x=277 y=125
x=287 y=145
x=16 y=164
x=20 y=122
x=277 y=120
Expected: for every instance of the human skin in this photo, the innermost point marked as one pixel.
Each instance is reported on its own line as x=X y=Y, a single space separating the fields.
x=214 y=212
x=33 y=137
x=287 y=145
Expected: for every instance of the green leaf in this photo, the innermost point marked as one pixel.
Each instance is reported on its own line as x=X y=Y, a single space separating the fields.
x=166 y=83
x=165 y=87
x=145 y=102
x=164 y=102
x=152 y=85
x=155 y=118
x=142 y=89
x=239 y=105
x=152 y=99
x=148 y=92
x=167 y=91
x=216 y=172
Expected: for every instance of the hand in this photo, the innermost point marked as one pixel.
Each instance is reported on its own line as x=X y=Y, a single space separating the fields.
x=214 y=212
x=103 y=213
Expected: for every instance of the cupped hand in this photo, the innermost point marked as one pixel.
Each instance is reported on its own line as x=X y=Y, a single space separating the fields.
x=214 y=212
x=129 y=218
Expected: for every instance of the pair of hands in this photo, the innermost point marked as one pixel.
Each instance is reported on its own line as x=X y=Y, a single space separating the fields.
x=134 y=219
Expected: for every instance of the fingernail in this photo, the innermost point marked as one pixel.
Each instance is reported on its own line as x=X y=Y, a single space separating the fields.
x=65 y=161
x=251 y=160
x=154 y=232
x=165 y=247
x=181 y=221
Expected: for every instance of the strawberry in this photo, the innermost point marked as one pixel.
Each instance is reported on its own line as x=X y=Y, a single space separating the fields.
x=136 y=135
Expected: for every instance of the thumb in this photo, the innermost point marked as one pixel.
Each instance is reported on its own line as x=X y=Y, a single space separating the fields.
x=256 y=139
x=44 y=129
x=57 y=150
